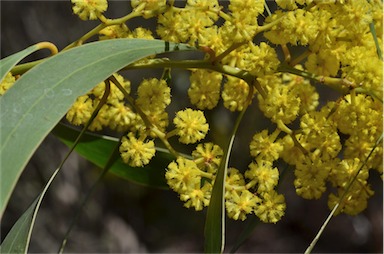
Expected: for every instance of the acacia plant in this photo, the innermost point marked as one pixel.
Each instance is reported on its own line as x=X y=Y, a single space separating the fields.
x=249 y=55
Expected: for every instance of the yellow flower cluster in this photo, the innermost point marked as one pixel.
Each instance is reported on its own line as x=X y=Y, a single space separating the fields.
x=326 y=142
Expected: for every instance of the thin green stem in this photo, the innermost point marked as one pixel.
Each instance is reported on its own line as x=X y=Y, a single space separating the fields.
x=317 y=237
x=377 y=44
x=300 y=58
x=233 y=47
x=339 y=84
x=194 y=64
x=103 y=100
x=268 y=26
x=86 y=36
x=267 y=8
x=106 y=23
x=76 y=217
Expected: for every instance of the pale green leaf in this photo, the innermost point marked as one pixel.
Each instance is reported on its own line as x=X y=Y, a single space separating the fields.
x=42 y=96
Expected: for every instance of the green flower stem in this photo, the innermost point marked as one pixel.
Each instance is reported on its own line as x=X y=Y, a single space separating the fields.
x=287 y=54
x=171 y=133
x=198 y=64
x=275 y=134
x=283 y=127
x=234 y=46
x=250 y=184
x=300 y=58
x=131 y=101
x=22 y=68
x=86 y=36
x=164 y=139
x=297 y=143
x=206 y=175
x=106 y=23
x=225 y=16
x=269 y=26
x=338 y=84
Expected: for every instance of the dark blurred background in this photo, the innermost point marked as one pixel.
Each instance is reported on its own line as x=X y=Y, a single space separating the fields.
x=125 y=217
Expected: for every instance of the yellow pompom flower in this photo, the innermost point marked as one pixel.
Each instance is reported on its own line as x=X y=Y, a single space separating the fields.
x=153 y=94
x=261 y=59
x=264 y=175
x=296 y=27
x=114 y=31
x=158 y=119
x=235 y=94
x=204 y=91
x=243 y=23
x=182 y=175
x=208 y=156
x=271 y=208
x=198 y=197
x=233 y=182
x=148 y=8
x=358 y=112
x=309 y=98
x=6 y=83
x=323 y=63
x=320 y=134
x=238 y=205
x=282 y=103
x=171 y=26
x=121 y=117
x=81 y=110
x=292 y=154
x=191 y=125
x=136 y=152
x=265 y=147
x=311 y=175
x=89 y=9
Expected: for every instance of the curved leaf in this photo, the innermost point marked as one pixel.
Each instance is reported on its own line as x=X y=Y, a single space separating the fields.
x=97 y=149
x=39 y=99
x=6 y=64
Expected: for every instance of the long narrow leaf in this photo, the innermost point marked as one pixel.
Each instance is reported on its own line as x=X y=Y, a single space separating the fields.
x=214 y=230
x=41 y=97
x=97 y=149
